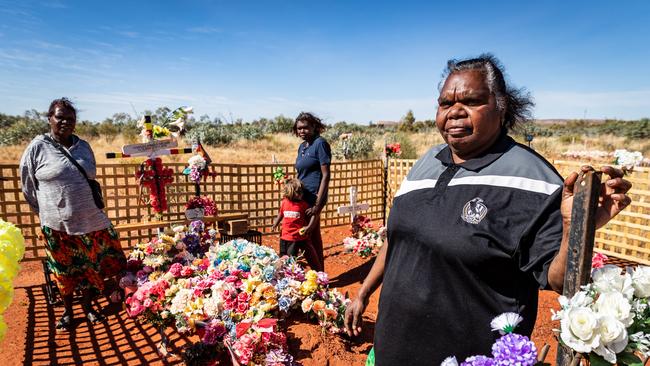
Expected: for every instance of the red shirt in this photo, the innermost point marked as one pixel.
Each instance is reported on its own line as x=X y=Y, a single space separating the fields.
x=293 y=219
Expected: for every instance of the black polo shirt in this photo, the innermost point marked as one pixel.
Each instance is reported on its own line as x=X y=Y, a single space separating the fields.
x=467 y=242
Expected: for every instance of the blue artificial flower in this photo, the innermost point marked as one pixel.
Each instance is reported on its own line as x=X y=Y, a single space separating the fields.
x=284 y=304
x=282 y=284
x=268 y=273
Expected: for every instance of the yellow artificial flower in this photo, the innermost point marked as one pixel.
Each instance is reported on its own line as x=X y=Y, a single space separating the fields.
x=251 y=283
x=268 y=305
x=308 y=287
x=311 y=276
x=160 y=131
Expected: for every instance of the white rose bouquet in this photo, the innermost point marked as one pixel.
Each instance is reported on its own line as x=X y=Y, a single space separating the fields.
x=609 y=320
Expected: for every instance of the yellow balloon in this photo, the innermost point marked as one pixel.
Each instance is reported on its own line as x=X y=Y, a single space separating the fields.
x=11 y=251
x=3 y=328
x=10 y=232
x=6 y=296
x=9 y=267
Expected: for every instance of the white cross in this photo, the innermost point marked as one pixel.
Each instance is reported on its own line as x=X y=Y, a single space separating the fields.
x=354 y=207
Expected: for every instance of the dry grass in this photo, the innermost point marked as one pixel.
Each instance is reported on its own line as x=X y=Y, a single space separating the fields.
x=284 y=147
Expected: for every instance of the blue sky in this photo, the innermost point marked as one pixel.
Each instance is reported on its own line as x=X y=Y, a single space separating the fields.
x=345 y=60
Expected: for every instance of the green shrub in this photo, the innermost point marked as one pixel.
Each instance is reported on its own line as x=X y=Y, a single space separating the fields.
x=210 y=134
x=250 y=132
x=352 y=148
x=22 y=131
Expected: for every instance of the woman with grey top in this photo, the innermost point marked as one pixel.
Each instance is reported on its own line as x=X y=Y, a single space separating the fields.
x=81 y=245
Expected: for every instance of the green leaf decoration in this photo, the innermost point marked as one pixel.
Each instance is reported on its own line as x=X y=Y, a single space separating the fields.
x=628 y=358
x=595 y=360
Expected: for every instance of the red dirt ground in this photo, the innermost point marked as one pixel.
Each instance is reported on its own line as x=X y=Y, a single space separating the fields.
x=31 y=337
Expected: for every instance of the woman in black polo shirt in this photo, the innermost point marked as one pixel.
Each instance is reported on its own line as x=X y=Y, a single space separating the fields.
x=479 y=224
x=313 y=167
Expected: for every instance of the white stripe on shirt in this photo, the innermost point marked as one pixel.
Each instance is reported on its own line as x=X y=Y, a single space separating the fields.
x=526 y=184
x=412 y=185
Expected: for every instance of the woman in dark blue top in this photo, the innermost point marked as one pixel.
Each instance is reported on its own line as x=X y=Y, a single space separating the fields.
x=313 y=167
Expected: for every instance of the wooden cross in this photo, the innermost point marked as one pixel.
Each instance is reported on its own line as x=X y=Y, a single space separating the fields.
x=354 y=207
x=581 y=244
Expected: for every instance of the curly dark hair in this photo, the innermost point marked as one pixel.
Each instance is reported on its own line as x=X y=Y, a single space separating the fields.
x=516 y=102
x=311 y=120
x=63 y=103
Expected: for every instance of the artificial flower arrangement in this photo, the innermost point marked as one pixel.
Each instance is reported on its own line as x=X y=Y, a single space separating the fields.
x=201 y=203
x=12 y=249
x=609 y=319
x=197 y=165
x=393 y=150
x=510 y=349
x=627 y=159
x=622 y=157
x=232 y=295
x=365 y=240
x=176 y=119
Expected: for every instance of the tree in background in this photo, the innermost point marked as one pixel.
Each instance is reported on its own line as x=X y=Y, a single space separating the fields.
x=406 y=123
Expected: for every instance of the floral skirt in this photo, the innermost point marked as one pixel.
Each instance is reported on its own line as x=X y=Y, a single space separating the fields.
x=83 y=260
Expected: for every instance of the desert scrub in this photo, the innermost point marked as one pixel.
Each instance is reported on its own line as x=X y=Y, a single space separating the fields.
x=353 y=147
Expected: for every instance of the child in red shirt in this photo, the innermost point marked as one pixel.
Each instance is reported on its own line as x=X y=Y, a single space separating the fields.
x=295 y=229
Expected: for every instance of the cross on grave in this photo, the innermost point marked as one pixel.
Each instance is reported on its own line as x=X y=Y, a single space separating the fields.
x=581 y=244
x=155 y=178
x=354 y=207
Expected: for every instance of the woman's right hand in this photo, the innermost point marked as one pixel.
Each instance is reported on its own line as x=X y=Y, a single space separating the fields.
x=353 y=315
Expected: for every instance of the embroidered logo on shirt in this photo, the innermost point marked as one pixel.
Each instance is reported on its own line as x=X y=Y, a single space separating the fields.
x=474 y=211
x=292 y=214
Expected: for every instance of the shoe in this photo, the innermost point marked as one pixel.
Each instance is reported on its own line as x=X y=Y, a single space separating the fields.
x=64 y=324
x=94 y=317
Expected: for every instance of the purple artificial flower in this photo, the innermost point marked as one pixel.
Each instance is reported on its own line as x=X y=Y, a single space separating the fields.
x=197 y=226
x=323 y=279
x=214 y=331
x=514 y=349
x=278 y=357
x=195 y=174
x=192 y=243
x=478 y=361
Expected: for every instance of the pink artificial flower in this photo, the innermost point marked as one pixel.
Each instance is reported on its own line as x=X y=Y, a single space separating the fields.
x=217 y=275
x=243 y=297
x=598 y=260
x=236 y=272
x=147 y=303
x=229 y=304
x=187 y=271
x=175 y=269
x=232 y=279
x=242 y=307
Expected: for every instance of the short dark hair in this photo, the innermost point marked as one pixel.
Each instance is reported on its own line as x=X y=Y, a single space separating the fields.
x=311 y=120
x=63 y=103
x=516 y=102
